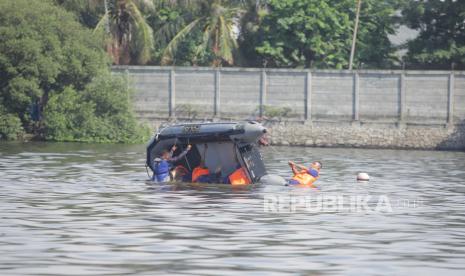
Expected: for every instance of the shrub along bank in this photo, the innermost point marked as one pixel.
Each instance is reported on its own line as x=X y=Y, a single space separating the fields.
x=55 y=81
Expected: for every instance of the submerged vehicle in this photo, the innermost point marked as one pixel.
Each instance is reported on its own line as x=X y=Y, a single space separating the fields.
x=225 y=146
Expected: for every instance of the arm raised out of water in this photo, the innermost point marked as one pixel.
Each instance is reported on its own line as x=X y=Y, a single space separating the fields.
x=181 y=155
x=295 y=167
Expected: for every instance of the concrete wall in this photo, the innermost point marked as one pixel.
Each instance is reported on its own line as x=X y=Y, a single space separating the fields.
x=370 y=108
x=425 y=97
x=367 y=135
x=458 y=97
x=152 y=91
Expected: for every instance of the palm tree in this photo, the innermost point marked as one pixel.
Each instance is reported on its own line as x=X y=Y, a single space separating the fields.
x=129 y=37
x=218 y=21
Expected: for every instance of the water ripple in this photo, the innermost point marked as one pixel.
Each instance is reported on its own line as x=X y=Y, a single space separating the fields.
x=77 y=209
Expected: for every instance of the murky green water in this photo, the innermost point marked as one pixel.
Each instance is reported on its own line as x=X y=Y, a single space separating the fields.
x=73 y=209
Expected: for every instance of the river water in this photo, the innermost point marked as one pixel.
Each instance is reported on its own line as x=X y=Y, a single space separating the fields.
x=80 y=209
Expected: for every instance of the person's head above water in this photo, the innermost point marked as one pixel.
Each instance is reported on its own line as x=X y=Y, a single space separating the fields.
x=317 y=165
x=165 y=154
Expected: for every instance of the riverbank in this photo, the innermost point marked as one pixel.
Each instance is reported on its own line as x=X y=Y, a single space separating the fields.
x=366 y=135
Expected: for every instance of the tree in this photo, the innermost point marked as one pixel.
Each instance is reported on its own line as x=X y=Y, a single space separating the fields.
x=44 y=53
x=441 y=40
x=99 y=113
x=317 y=33
x=130 y=37
x=168 y=18
x=305 y=34
x=127 y=36
x=87 y=12
x=378 y=20
x=287 y=33
x=216 y=21
x=251 y=34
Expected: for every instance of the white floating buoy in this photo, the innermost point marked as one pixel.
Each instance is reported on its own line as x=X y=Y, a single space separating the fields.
x=363 y=177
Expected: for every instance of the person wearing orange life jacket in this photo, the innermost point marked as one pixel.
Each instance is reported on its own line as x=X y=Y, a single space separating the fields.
x=305 y=176
x=239 y=177
x=201 y=174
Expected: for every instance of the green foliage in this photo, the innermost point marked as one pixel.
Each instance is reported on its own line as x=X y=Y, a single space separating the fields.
x=48 y=58
x=101 y=113
x=280 y=33
x=129 y=38
x=215 y=21
x=10 y=127
x=88 y=12
x=42 y=50
x=378 y=19
x=293 y=33
x=441 y=41
x=167 y=19
x=273 y=33
x=122 y=28
x=251 y=34
x=305 y=34
x=188 y=53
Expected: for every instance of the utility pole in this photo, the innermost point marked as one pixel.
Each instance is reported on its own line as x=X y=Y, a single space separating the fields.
x=107 y=23
x=354 y=38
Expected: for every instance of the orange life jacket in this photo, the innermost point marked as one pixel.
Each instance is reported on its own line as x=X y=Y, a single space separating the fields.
x=239 y=177
x=304 y=178
x=198 y=172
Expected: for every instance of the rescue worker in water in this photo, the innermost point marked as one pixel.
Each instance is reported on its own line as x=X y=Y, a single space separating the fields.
x=163 y=164
x=304 y=176
x=201 y=174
